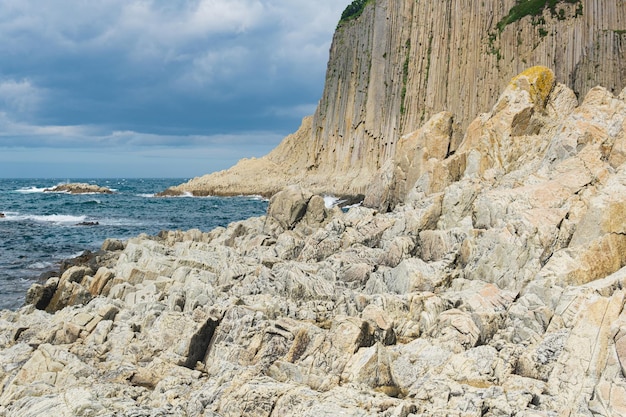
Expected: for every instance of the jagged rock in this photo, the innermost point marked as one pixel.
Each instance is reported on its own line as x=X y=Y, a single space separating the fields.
x=289 y=206
x=416 y=153
x=495 y=290
x=40 y=295
x=371 y=366
x=68 y=293
x=412 y=275
x=112 y=245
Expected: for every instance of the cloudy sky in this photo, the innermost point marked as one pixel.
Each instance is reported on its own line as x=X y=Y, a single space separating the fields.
x=155 y=88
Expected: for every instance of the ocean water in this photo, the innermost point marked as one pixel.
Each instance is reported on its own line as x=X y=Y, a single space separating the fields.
x=40 y=229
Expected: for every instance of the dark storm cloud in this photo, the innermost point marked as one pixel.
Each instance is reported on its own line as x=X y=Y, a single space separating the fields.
x=135 y=74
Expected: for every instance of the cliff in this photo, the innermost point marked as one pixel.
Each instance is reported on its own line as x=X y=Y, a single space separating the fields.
x=402 y=61
x=495 y=289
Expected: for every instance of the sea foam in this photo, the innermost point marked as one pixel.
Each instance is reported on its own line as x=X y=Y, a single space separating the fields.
x=59 y=219
x=30 y=190
x=331 y=201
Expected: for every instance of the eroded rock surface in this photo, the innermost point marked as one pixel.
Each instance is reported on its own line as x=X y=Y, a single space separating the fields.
x=491 y=283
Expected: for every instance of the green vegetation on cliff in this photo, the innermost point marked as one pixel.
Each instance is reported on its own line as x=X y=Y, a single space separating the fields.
x=405 y=75
x=353 y=10
x=525 y=8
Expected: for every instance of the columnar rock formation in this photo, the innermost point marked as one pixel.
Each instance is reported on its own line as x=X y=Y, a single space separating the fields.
x=402 y=61
x=494 y=287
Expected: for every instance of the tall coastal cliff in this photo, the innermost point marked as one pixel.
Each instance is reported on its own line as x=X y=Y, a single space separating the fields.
x=399 y=62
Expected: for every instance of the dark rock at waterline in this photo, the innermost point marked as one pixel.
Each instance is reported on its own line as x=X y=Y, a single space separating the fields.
x=46 y=275
x=1 y=215
x=92 y=260
x=169 y=193
x=88 y=224
x=87 y=258
x=58 y=289
x=350 y=200
x=40 y=295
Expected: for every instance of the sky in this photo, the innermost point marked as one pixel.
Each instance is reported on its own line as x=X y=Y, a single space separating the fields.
x=155 y=88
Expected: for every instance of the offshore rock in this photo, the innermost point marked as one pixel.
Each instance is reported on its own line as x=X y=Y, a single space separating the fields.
x=79 y=188
x=497 y=289
x=403 y=62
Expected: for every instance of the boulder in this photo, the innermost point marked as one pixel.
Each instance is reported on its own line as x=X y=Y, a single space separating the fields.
x=288 y=207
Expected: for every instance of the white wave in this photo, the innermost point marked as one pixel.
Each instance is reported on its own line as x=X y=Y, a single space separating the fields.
x=33 y=189
x=121 y=222
x=146 y=195
x=353 y=205
x=41 y=265
x=60 y=219
x=257 y=197
x=93 y=201
x=331 y=201
x=185 y=194
x=30 y=190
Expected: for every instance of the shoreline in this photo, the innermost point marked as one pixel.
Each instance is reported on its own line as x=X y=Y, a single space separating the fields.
x=43 y=227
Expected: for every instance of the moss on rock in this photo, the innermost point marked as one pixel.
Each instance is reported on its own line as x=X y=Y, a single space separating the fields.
x=525 y=8
x=353 y=10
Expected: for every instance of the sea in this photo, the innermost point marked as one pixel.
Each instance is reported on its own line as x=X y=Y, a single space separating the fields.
x=40 y=229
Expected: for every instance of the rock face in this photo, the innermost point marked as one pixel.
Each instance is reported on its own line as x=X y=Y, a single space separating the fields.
x=79 y=188
x=404 y=61
x=493 y=287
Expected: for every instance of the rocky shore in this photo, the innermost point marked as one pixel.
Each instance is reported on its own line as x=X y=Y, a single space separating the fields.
x=79 y=188
x=489 y=282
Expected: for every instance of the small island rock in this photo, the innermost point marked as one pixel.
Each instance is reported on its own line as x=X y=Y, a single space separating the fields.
x=79 y=188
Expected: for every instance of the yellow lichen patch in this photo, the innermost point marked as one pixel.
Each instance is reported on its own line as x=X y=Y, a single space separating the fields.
x=537 y=80
x=603 y=257
x=615 y=218
x=482 y=384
